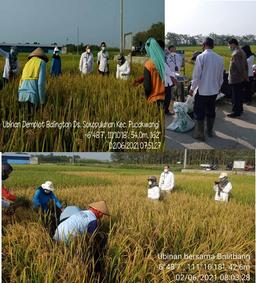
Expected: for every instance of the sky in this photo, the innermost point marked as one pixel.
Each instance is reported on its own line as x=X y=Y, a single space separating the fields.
x=206 y=16
x=51 y=21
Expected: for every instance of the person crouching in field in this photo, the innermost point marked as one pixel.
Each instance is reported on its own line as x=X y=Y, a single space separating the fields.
x=222 y=188
x=32 y=83
x=86 y=61
x=154 y=72
x=74 y=221
x=43 y=195
x=102 y=60
x=153 y=189
x=166 y=181
x=207 y=79
x=56 y=63
x=123 y=68
x=238 y=75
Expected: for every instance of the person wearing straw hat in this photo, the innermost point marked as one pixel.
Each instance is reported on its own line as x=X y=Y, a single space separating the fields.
x=32 y=83
x=153 y=189
x=56 y=63
x=43 y=195
x=222 y=187
x=86 y=61
x=74 y=221
x=11 y=66
x=154 y=72
x=123 y=68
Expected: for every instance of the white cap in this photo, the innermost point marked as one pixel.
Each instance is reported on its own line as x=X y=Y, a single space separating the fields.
x=48 y=185
x=223 y=175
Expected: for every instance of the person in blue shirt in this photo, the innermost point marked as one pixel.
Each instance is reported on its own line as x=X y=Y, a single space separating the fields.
x=43 y=195
x=56 y=63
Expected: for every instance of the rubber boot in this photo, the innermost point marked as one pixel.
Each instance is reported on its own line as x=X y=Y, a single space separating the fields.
x=199 y=130
x=210 y=123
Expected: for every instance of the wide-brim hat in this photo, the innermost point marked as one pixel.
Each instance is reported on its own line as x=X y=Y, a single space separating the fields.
x=101 y=206
x=48 y=185
x=38 y=52
x=223 y=175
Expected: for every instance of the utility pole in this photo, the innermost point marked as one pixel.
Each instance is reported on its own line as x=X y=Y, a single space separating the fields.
x=185 y=159
x=77 y=40
x=121 y=26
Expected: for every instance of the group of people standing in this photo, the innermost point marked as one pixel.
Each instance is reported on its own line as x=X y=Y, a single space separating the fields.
x=207 y=80
x=156 y=191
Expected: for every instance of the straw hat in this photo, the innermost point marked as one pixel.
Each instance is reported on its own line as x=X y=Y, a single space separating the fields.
x=100 y=206
x=223 y=175
x=48 y=185
x=38 y=52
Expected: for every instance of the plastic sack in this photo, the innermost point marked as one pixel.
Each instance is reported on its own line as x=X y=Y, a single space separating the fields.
x=182 y=122
x=190 y=103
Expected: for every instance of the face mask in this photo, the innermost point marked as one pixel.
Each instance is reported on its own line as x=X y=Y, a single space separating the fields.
x=150 y=183
x=166 y=170
x=103 y=48
x=88 y=50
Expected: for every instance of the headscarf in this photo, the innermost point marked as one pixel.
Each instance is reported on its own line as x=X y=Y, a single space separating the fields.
x=156 y=54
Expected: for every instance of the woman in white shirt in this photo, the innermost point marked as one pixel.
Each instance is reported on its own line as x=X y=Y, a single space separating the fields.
x=86 y=61
x=222 y=188
x=123 y=68
x=250 y=60
x=153 y=189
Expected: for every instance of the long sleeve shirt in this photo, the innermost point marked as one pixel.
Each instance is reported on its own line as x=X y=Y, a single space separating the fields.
x=123 y=71
x=238 y=68
x=224 y=193
x=7 y=65
x=79 y=223
x=41 y=199
x=86 y=63
x=33 y=80
x=7 y=195
x=168 y=75
x=154 y=193
x=166 y=181
x=208 y=73
x=250 y=61
x=102 y=60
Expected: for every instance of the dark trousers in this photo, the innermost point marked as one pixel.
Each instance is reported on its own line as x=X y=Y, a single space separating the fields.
x=248 y=91
x=168 y=97
x=204 y=106
x=237 y=98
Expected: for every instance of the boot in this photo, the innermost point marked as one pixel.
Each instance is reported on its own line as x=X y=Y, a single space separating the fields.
x=199 y=130
x=210 y=123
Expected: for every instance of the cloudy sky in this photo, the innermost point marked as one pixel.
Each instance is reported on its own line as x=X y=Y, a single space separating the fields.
x=206 y=16
x=50 y=21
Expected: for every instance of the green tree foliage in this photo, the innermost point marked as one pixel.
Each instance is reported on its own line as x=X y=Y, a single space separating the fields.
x=156 y=31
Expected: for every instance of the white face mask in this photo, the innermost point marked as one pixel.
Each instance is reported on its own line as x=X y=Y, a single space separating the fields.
x=150 y=183
x=166 y=170
x=103 y=48
x=88 y=50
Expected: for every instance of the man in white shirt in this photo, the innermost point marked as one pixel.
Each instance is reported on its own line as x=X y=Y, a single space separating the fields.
x=207 y=79
x=102 y=60
x=153 y=189
x=222 y=188
x=173 y=59
x=86 y=61
x=166 y=182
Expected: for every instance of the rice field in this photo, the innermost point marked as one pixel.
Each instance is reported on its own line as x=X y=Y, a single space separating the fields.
x=71 y=98
x=140 y=233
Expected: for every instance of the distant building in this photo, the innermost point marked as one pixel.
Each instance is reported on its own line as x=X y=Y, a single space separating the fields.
x=28 y=48
x=16 y=158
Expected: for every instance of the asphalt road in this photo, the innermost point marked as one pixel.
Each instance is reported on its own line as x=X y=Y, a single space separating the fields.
x=229 y=133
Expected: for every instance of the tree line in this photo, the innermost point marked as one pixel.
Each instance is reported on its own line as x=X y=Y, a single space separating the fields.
x=191 y=40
